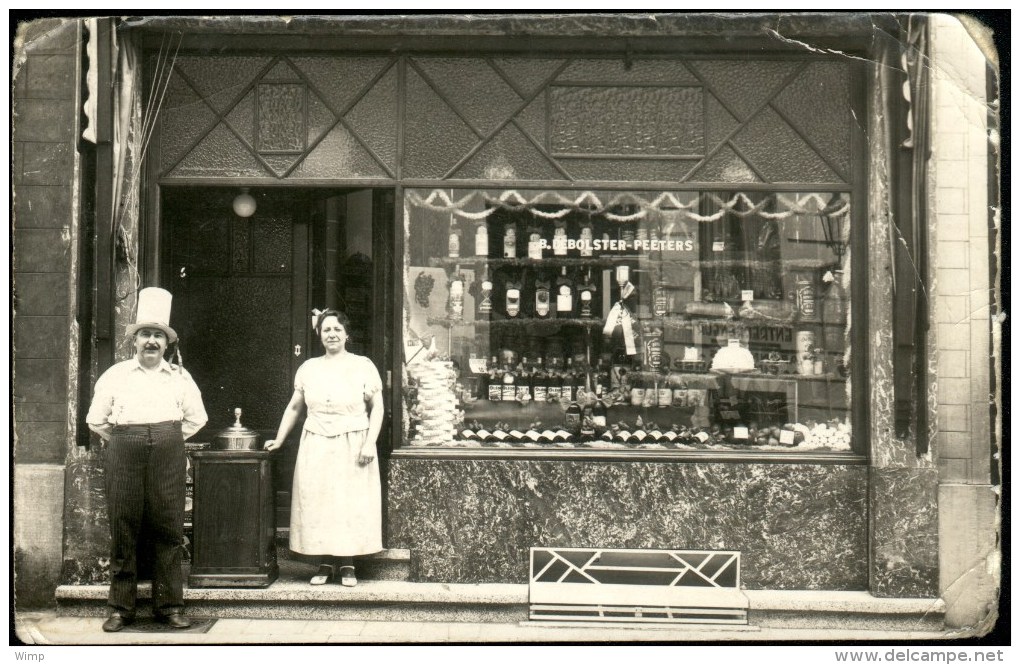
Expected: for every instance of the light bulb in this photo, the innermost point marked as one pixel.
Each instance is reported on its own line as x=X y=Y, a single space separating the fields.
x=244 y=204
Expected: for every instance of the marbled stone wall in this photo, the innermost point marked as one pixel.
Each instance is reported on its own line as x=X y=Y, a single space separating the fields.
x=798 y=526
x=905 y=541
x=903 y=512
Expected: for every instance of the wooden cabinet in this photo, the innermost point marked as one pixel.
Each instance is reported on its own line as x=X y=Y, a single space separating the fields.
x=233 y=520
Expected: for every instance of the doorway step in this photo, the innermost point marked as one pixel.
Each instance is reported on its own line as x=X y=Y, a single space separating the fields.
x=384 y=593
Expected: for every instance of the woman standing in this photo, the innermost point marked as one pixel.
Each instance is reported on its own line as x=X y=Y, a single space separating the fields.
x=336 y=506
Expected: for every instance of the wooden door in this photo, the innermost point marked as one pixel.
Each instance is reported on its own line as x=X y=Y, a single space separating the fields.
x=240 y=289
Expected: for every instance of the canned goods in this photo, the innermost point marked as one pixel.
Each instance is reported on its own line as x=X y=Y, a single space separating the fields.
x=806 y=297
x=805 y=341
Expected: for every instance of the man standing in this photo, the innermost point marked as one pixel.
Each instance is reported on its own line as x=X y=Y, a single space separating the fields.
x=144 y=408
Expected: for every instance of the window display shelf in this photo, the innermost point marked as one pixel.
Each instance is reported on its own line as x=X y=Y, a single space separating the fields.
x=533 y=324
x=731 y=288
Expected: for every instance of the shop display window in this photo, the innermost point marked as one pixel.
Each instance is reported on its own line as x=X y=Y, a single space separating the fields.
x=695 y=320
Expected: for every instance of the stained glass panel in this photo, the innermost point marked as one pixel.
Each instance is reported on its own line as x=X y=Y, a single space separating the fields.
x=474 y=88
x=725 y=166
x=509 y=156
x=184 y=117
x=220 y=154
x=744 y=85
x=590 y=120
x=818 y=103
x=338 y=156
x=779 y=153
x=338 y=80
x=435 y=138
x=242 y=118
x=281 y=117
x=374 y=118
x=527 y=73
x=220 y=79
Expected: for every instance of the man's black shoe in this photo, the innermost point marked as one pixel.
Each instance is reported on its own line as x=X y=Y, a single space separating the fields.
x=175 y=620
x=115 y=622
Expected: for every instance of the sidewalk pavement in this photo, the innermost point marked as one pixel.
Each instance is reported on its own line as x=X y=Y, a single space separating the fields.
x=46 y=628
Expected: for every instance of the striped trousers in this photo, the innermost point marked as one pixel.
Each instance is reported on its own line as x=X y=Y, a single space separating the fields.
x=145 y=476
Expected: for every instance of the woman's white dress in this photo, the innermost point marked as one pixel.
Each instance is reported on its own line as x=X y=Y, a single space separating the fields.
x=336 y=505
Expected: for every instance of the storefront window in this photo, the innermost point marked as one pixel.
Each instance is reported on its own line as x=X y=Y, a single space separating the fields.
x=700 y=320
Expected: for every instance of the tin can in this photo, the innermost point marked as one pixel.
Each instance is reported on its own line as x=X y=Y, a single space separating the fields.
x=653 y=348
x=806 y=297
x=805 y=341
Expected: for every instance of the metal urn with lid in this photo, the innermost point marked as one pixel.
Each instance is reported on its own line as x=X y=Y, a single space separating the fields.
x=237 y=436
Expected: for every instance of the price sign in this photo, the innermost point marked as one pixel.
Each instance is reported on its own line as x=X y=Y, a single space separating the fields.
x=786 y=437
x=740 y=433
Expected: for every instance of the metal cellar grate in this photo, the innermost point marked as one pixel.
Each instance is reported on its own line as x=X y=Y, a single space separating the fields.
x=614 y=585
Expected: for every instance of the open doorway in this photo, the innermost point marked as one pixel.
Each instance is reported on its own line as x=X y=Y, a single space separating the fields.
x=244 y=289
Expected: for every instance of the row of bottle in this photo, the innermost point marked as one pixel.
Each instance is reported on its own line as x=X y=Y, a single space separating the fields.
x=569 y=238
x=515 y=294
x=533 y=382
x=590 y=428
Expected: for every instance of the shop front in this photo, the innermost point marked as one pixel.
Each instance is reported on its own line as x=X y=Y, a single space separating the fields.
x=625 y=289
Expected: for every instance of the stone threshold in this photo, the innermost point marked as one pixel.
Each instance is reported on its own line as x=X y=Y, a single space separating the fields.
x=394 y=600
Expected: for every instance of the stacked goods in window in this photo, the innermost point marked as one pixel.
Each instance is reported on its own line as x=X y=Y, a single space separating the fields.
x=833 y=313
x=436 y=413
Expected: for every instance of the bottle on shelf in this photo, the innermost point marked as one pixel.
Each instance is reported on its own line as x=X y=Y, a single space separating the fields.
x=587 y=425
x=660 y=299
x=455 y=303
x=585 y=238
x=539 y=387
x=483 y=384
x=573 y=418
x=582 y=383
x=559 y=241
x=495 y=382
x=523 y=381
x=453 y=244
x=482 y=239
x=637 y=390
x=510 y=241
x=567 y=384
x=509 y=384
x=598 y=411
x=534 y=243
x=552 y=384
x=483 y=303
x=512 y=305
x=564 y=295
x=542 y=298
x=586 y=297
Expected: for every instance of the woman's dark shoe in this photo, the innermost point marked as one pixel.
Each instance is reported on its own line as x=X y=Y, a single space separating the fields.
x=347 y=577
x=174 y=620
x=115 y=622
x=324 y=576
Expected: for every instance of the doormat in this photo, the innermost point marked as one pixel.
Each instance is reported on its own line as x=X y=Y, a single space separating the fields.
x=152 y=626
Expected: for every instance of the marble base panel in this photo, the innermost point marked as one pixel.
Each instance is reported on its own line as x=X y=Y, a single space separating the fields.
x=86 y=522
x=798 y=526
x=905 y=533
